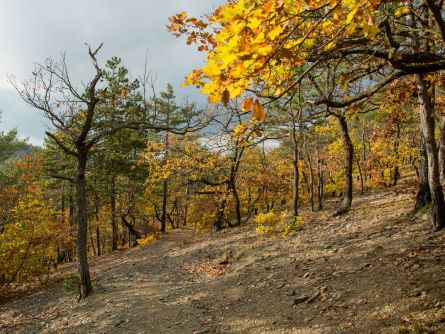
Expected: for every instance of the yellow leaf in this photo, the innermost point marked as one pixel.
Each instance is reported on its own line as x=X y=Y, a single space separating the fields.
x=274 y=33
x=254 y=23
x=215 y=98
x=308 y=43
x=351 y=15
x=370 y=31
x=240 y=130
x=211 y=69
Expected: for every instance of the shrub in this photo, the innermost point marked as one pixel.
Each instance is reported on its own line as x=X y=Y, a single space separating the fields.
x=148 y=239
x=268 y=223
x=290 y=223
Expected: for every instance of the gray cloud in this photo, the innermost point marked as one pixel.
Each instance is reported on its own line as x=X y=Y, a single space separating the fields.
x=34 y=30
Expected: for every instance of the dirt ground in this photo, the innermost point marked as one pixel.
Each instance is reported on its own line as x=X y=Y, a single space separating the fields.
x=371 y=271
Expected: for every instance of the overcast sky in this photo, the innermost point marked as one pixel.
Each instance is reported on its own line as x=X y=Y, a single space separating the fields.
x=32 y=30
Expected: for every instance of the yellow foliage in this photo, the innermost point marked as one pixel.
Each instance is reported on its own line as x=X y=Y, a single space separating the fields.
x=32 y=234
x=148 y=239
x=268 y=223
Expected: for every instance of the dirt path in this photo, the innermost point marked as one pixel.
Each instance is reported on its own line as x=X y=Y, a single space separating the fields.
x=371 y=271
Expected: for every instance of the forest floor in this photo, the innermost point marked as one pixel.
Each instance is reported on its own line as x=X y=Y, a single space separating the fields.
x=370 y=271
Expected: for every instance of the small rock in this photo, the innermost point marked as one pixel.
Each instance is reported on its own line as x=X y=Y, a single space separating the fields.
x=291 y=293
x=201 y=331
x=415 y=266
x=299 y=300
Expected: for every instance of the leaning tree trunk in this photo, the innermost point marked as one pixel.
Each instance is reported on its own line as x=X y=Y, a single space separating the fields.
x=82 y=225
x=131 y=230
x=349 y=155
x=427 y=127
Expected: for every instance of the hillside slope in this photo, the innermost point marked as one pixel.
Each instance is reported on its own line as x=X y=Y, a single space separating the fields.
x=371 y=271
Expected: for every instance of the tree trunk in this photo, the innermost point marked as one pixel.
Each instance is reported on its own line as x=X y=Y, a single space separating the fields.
x=164 y=206
x=296 y=179
x=96 y=199
x=99 y=253
x=237 y=201
x=362 y=184
x=349 y=155
x=423 y=194
x=311 y=184
x=217 y=225
x=320 y=184
x=442 y=146
x=131 y=230
x=396 y=173
x=82 y=225
x=63 y=202
x=427 y=127
x=186 y=205
x=114 y=229
x=296 y=171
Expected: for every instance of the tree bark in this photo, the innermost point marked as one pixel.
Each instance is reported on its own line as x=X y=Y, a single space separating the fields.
x=427 y=127
x=217 y=225
x=423 y=196
x=311 y=183
x=82 y=225
x=320 y=184
x=114 y=229
x=349 y=155
x=164 y=206
x=131 y=229
x=362 y=184
x=96 y=200
x=396 y=172
x=232 y=183
x=186 y=204
x=296 y=177
x=442 y=146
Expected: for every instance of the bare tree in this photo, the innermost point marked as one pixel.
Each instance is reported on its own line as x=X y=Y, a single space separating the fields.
x=73 y=116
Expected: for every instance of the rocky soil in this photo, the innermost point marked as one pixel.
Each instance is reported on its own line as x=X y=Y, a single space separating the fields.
x=370 y=271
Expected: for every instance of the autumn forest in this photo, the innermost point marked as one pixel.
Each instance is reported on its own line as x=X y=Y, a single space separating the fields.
x=322 y=117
